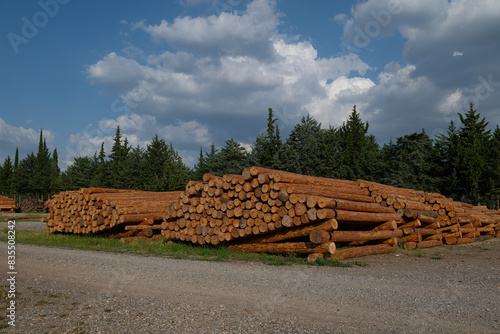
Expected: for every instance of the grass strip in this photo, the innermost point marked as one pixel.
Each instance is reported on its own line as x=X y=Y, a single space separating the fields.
x=176 y=250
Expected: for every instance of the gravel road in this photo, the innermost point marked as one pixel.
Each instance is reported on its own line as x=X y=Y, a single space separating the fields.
x=72 y=291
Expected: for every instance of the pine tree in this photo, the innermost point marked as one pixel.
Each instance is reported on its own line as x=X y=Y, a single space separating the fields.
x=132 y=171
x=102 y=175
x=448 y=167
x=472 y=155
x=266 y=146
x=200 y=168
x=211 y=162
x=358 y=150
x=411 y=162
x=80 y=174
x=303 y=151
x=118 y=157
x=232 y=158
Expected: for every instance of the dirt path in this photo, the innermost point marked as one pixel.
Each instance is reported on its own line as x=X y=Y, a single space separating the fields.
x=71 y=291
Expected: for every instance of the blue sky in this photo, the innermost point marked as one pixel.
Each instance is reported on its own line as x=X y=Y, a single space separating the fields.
x=203 y=71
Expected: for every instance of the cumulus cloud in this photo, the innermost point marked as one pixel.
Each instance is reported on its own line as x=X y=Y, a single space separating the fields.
x=218 y=75
x=224 y=34
x=224 y=73
x=451 y=51
x=26 y=139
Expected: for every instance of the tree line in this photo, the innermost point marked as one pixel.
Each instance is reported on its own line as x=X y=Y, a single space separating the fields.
x=463 y=163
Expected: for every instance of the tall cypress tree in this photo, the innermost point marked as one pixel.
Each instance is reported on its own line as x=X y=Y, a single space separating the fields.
x=40 y=183
x=55 y=173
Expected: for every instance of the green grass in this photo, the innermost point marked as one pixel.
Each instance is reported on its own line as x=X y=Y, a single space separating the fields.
x=176 y=250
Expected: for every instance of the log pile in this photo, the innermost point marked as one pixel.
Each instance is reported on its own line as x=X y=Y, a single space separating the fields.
x=265 y=210
x=431 y=219
x=7 y=204
x=32 y=205
x=119 y=213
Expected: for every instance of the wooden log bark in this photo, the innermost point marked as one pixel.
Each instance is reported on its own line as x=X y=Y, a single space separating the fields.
x=287 y=247
x=320 y=236
x=355 y=216
x=361 y=251
x=294 y=232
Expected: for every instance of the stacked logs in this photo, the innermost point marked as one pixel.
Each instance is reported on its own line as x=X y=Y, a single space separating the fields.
x=32 y=205
x=431 y=219
x=7 y=204
x=119 y=213
x=265 y=210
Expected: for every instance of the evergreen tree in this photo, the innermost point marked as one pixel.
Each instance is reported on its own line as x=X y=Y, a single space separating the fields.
x=473 y=140
x=200 y=168
x=303 y=151
x=176 y=174
x=23 y=177
x=266 y=147
x=40 y=183
x=211 y=162
x=6 y=177
x=153 y=165
x=132 y=172
x=358 y=150
x=80 y=174
x=411 y=162
x=55 y=173
x=102 y=175
x=494 y=168
x=448 y=166
x=16 y=160
x=118 y=159
x=232 y=158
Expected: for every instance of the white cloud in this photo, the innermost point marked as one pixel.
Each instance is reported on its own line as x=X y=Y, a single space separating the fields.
x=227 y=33
x=221 y=73
x=26 y=140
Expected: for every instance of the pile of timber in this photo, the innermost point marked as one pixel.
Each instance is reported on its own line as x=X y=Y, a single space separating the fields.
x=119 y=213
x=431 y=219
x=32 y=205
x=7 y=204
x=265 y=210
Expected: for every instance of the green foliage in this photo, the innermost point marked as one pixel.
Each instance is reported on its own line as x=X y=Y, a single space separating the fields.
x=40 y=180
x=162 y=168
x=55 y=173
x=6 y=177
x=411 y=162
x=266 y=146
x=303 y=151
x=80 y=174
x=101 y=174
x=472 y=154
